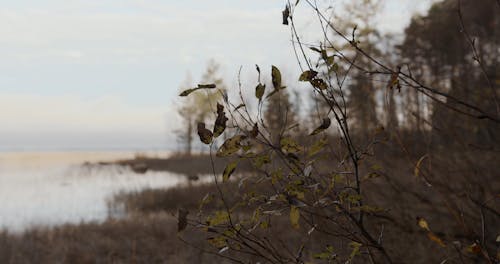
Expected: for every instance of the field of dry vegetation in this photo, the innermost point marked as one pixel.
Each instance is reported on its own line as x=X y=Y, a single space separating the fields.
x=149 y=232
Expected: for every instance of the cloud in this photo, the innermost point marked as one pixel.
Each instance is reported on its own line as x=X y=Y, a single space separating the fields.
x=68 y=113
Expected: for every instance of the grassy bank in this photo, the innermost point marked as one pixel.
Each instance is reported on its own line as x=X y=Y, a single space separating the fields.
x=144 y=239
x=182 y=164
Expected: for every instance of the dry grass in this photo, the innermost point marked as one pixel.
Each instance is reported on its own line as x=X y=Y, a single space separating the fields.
x=149 y=234
x=145 y=239
x=403 y=197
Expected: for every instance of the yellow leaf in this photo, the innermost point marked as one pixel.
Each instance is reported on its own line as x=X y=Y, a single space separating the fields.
x=417 y=166
x=322 y=255
x=260 y=160
x=220 y=217
x=474 y=248
x=294 y=216
x=276 y=77
x=206 y=199
x=276 y=176
x=218 y=242
x=317 y=147
x=368 y=209
x=228 y=171
x=259 y=91
x=230 y=146
x=371 y=175
x=423 y=224
x=256 y=215
x=355 y=249
x=436 y=239
x=289 y=145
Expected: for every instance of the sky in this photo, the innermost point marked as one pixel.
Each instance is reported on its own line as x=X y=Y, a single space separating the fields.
x=105 y=74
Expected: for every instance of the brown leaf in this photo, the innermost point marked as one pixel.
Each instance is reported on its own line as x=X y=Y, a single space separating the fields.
x=308 y=76
x=200 y=86
x=205 y=134
x=188 y=91
x=315 y=49
x=319 y=83
x=239 y=106
x=220 y=109
x=207 y=86
x=255 y=131
x=393 y=81
x=286 y=14
x=220 y=122
x=326 y=124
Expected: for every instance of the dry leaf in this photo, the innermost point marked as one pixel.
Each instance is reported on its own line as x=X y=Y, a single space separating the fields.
x=423 y=223
x=205 y=134
x=436 y=239
x=220 y=122
x=326 y=124
x=276 y=78
x=228 y=171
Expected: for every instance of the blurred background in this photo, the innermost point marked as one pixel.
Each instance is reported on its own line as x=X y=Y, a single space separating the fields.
x=102 y=75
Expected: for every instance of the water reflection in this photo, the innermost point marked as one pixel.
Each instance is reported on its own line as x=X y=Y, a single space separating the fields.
x=48 y=195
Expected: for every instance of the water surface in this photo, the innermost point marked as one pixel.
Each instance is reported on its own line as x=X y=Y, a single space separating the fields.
x=46 y=189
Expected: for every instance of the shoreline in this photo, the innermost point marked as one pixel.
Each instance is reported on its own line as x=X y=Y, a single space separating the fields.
x=192 y=165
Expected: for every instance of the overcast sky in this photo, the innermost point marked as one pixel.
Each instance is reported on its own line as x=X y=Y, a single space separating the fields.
x=105 y=73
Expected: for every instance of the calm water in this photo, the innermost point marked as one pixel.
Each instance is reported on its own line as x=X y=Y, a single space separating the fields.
x=46 y=189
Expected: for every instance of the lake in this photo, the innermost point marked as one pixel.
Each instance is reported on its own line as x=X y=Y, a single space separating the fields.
x=49 y=188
